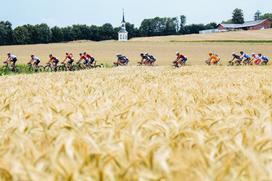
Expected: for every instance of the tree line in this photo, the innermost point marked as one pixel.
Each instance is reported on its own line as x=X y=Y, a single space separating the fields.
x=238 y=16
x=42 y=33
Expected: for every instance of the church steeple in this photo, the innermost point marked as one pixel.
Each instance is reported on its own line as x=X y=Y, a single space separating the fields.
x=123 y=34
x=123 y=21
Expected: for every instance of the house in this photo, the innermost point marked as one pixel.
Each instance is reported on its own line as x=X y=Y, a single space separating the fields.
x=249 y=25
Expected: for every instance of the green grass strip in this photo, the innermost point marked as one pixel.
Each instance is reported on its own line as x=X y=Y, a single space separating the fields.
x=226 y=41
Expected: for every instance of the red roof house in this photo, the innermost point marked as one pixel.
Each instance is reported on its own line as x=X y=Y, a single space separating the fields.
x=249 y=25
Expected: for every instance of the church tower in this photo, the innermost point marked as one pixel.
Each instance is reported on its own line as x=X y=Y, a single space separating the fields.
x=123 y=34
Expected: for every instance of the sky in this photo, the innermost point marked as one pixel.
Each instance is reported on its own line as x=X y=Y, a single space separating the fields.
x=98 y=12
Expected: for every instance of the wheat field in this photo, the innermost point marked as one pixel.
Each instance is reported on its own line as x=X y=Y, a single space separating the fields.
x=138 y=123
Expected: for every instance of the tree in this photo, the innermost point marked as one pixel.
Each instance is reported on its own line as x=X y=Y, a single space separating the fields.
x=116 y=30
x=170 y=28
x=22 y=35
x=68 y=33
x=145 y=28
x=106 y=32
x=266 y=16
x=238 y=16
x=6 y=34
x=257 y=15
x=32 y=32
x=42 y=33
x=57 y=34
x=182 y=24
x=132 y=31
x=158 y=26
x=212 y=25
x=193 y=28
x=95 y=33
x=81 y=32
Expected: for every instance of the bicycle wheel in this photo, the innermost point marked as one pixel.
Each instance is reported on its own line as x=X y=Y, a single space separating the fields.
x=78 y=67
x=40 y=68
x=15 y=69
x=47 y=68
x=59 y=68
x=72 y=68
x=30 y=68
x=5 y=68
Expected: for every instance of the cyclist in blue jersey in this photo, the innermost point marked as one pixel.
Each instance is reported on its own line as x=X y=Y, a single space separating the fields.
x=264 y=59
x=245 y=58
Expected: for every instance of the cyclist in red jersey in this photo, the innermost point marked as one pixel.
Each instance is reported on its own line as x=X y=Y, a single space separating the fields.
x=53 y=60
x=69 y=59
x=181 y=59
x=83 y=58
x=90 y=58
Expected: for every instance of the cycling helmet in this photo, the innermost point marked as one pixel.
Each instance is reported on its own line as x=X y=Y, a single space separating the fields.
x=259 y=54
x=241 y=52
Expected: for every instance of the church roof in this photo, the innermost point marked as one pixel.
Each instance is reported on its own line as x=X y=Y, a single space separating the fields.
x=123 y=31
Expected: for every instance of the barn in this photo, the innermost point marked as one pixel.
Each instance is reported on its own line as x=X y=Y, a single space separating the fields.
x=249 y=25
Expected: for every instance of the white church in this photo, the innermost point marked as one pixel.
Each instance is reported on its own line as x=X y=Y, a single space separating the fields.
x=123 y=34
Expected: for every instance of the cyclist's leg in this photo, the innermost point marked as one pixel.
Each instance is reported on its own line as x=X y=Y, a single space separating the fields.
x=213 y=61
x=92 y=60
x=13 y=64
x=38 y=62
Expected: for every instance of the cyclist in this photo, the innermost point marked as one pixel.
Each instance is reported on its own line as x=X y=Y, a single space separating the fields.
x=213 y=59
x=34 y=60
x=144 y=59
x=53 y=60
x=11 y=59
x=264 y=59
x=151 y=59
x=245 y=58
x=181 y=59
x=90 y=58
x=236 y=59
x=83 y=58
x=121 y=60
x=255 y=59
x=68 y=59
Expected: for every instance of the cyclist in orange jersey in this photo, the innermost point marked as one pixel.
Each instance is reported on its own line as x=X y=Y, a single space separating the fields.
x=213 y=59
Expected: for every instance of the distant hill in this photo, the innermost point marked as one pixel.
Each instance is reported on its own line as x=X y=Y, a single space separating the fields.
x=259 y=35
